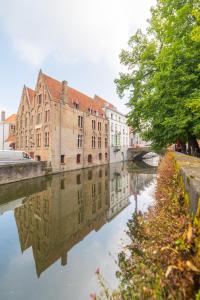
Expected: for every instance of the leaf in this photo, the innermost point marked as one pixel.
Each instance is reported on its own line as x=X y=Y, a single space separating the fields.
x=192 y=267
x=189 y=233
x=169 y=269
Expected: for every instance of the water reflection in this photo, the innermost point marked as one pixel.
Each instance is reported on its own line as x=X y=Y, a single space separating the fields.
x=55 y=213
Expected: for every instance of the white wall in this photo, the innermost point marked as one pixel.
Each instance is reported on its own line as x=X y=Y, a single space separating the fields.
x=4 y=131
x=118 y=136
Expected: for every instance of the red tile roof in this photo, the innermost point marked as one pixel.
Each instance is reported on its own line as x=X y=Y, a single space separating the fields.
x=103 y=102
x=11 y=138
x=31 y=94
x=54 y=86
x=73 y=96
x=11 y=119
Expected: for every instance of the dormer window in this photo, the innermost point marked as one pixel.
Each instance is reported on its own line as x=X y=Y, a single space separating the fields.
x=76 y=105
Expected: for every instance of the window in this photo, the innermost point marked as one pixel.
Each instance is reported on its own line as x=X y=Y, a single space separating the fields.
x=112 y=140
x=99 y=142
x=106 y=127
x=111 y=116
x=62 y=184
x=31 y=120
x=99 y=188
x=93 y=190
x=93 y=142
x=80 y=121
x=47 y=116
x=90 y=175
x=93 y=124
x=100 y=173
x=89 y=158
x=39 y=99
x=100 y=156
x=111 y=126
x=38 y=139
x=106 y=142
x=79 y=196
x=106 y=155
x=26 y=140
x=78 y=179
x=80 y=141
x=78 y=158
x=99 y=126
x=46 y=139
x=38 y=118
x=62 y=159
x=76 y=105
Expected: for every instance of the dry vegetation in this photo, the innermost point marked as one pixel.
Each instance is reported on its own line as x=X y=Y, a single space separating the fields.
x=163 y=259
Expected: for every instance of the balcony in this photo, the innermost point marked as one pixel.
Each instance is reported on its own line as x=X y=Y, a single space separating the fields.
x=116 y=148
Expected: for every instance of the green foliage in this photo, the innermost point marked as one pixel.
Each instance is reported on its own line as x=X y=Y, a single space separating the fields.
x=163 y=76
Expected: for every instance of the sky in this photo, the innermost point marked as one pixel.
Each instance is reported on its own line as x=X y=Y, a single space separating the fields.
x=74 y=40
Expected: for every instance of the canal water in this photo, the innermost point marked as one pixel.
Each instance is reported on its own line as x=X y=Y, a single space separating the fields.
x=56 y=231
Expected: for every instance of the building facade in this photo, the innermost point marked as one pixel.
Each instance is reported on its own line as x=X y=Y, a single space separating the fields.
x=7 y=132
x=61 y=125
x=118 y=135
x=136 y=140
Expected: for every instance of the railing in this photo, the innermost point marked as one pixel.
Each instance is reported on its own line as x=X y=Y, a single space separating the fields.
x=117 y=148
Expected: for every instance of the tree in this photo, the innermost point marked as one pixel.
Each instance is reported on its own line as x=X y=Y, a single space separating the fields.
x=163 y=75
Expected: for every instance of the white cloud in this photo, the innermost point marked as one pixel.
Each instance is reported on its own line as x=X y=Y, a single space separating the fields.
x=72 y=30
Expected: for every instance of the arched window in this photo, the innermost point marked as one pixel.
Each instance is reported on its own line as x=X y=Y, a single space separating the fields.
x=89 y=158
x=106 y=155
x=78 y=158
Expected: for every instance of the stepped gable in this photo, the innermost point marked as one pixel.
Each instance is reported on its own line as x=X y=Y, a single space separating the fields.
x=31 y=94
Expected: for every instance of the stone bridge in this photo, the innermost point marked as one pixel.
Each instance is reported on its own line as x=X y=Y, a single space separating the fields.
x=137 y=153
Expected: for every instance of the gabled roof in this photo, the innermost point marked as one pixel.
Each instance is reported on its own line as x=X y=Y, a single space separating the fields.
x=73 y=96
x=31 y=94
x=103 y=102
x=11 y=138
x=54 y=86
x=11 y=119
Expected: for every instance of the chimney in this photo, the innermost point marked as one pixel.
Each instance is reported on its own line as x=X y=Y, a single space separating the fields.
x=64 y=91
x=3 y=116
x=64 y=259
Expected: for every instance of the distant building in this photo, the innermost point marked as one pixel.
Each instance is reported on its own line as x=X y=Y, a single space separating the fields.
x=118 y=134
x=119 y=189
x=7 y=132
x=136 y=140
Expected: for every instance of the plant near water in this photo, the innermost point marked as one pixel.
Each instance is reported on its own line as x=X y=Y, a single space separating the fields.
x=163 y=259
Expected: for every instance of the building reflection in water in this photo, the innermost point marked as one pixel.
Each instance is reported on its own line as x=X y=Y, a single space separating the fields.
x=54 y=219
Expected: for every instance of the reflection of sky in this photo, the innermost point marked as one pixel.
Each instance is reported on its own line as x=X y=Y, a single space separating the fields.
x=76 y=280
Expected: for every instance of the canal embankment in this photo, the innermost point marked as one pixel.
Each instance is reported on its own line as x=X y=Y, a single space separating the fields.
x=22 y=171
x=162 y=260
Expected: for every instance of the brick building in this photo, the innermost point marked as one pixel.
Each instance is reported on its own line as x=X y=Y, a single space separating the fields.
x=7 y=132
x=61 y=125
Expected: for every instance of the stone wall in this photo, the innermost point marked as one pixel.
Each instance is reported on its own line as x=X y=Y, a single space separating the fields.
x=189 y=171
x=22 y=171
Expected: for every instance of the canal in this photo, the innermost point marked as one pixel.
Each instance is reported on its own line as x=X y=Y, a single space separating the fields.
x=56 y=231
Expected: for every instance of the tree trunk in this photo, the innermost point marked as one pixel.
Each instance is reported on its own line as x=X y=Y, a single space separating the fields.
x=193 y=146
